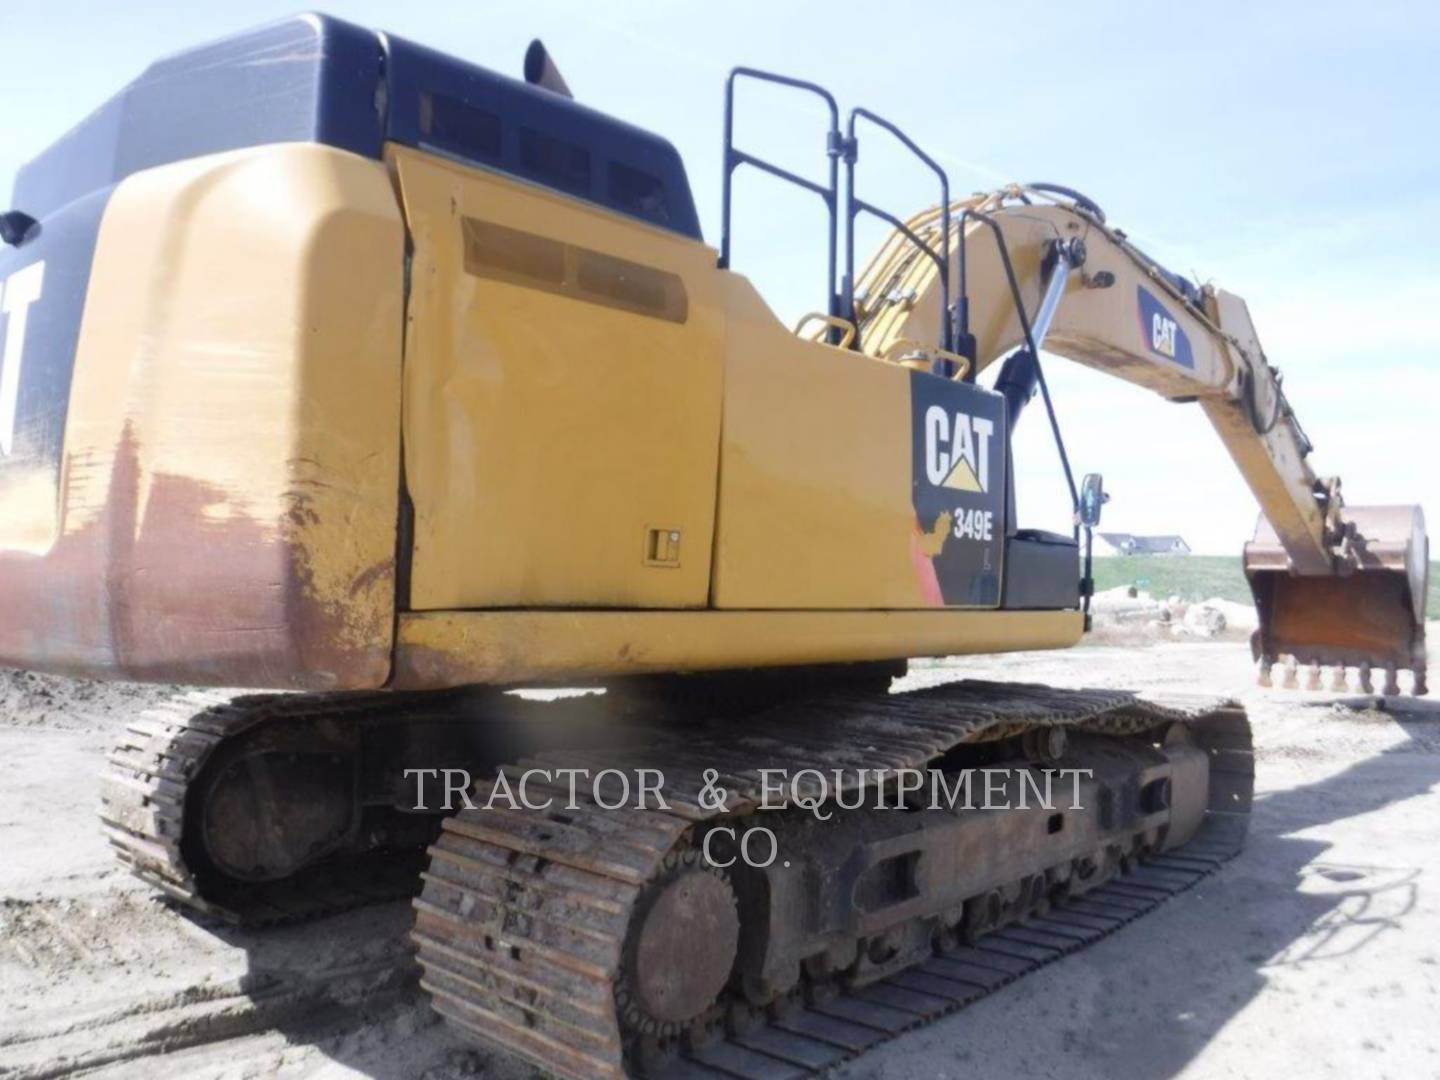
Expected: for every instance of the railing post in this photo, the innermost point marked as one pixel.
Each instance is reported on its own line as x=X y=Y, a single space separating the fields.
x=829 y=192
x=855 y=206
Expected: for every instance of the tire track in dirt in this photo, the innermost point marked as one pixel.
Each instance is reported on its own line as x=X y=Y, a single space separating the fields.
x=156 y=982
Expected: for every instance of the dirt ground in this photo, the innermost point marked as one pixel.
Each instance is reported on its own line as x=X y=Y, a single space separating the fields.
x=1316 y=953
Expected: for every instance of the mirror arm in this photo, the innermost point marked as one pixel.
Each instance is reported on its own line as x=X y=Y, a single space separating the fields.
x=1091 y=502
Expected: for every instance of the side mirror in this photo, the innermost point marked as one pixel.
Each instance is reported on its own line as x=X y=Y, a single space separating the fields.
x=1092 y=499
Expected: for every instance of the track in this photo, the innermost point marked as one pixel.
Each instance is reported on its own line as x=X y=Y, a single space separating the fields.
x=522 y=925
x=165 y=752
x=821 y=1036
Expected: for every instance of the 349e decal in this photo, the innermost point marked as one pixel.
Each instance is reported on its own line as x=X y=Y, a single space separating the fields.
x=958 y=491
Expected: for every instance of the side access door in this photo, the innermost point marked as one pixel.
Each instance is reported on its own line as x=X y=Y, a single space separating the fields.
x=562 y=396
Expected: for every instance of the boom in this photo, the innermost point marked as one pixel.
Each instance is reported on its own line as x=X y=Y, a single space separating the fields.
x=1039 y=265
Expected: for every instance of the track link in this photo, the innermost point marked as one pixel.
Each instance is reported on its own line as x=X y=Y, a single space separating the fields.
x=521 y=927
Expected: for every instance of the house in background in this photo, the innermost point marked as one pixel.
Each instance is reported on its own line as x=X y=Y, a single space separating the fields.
x=1129 y=544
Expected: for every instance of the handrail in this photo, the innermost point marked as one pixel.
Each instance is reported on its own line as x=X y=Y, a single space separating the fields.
x=734 y=158
x=960 y=365
x=834 y=322
x=855 y=206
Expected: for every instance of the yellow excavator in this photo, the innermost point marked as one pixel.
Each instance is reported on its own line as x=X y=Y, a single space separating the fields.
x=352 y=374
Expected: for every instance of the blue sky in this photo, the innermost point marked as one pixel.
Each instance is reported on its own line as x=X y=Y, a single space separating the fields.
x=1284 y=150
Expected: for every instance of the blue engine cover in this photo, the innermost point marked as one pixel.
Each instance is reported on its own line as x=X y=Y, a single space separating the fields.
x=312 y=78
x=307 y=79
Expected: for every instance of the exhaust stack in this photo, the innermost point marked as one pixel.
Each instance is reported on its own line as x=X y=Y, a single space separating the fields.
x=540 y=70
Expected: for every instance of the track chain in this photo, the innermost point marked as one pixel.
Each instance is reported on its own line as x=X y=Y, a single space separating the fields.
x=522 y=921
x=161 y=755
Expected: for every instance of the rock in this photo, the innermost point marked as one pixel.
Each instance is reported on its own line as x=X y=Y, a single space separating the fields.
x=1240 y=619
x=1204 y=620
x=1126 y=614
x=1120 y=596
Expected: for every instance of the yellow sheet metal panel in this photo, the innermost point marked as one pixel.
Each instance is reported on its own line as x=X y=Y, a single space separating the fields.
x=815 y=472
x=229 y=482
x=818 y=488
x=562 y=398
x=511 y=647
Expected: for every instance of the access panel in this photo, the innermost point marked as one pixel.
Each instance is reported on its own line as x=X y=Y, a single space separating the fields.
x=562 y=398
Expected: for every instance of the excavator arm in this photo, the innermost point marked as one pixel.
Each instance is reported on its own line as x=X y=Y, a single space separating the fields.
x=1039 y=266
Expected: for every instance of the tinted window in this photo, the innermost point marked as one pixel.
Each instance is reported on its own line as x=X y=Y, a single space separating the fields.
x=460 y=128
x=639 y=193
x=555 y=162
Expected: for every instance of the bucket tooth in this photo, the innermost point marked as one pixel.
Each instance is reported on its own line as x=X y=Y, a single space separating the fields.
x=1312 y=676
x=1337 y=678
x=1292 y=679
x=1419 y=689
x=1392 y=682
x=1367 y=685
x=1264 y=678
